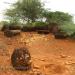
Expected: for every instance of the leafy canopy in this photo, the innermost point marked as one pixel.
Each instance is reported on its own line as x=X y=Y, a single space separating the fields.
x=26 y=10
x=60 y=18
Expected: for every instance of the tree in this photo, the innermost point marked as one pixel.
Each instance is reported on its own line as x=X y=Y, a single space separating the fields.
x=60 y=18
x=26 y=10
x=12 y=16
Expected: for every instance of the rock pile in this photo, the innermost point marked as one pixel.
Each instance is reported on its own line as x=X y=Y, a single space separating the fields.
x=20 y=59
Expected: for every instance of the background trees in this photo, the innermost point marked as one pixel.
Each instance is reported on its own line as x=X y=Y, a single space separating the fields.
x=60 y=18
x=31 y=10
x=32 y=13
x=11 y=15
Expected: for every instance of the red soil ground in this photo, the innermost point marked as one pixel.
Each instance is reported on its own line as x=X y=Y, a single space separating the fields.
x=49 y=55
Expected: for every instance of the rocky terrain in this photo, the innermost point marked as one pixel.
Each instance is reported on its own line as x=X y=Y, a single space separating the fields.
x=49 y=56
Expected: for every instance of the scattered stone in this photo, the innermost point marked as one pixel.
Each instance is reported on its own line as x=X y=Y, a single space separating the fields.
x=42 y=59
x=36 y=66
x=63 y=56
x=37 y=72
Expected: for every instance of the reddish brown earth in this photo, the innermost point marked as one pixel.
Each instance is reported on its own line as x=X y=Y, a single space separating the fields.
x=49 y=56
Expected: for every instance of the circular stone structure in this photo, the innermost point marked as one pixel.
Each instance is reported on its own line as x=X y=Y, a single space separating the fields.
x=20 y=59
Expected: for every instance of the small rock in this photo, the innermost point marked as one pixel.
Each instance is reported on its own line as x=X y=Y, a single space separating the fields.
x=63 y=56
x=42 y=59
x=37 y=73
x=36 y=66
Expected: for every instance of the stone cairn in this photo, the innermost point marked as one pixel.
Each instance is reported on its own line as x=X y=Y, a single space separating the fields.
x=20 y=59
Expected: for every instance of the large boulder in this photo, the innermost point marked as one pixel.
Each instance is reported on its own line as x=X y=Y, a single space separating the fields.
x=20 y=59
x=60 y=35
x=11 y=33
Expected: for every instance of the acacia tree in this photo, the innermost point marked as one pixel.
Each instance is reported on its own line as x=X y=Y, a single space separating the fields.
x=27 y=10
x=60 y=18
x=12 y=16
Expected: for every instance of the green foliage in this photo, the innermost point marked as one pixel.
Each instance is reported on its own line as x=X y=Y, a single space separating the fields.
x=28 y=10
x=11 y=15
x=57 y=17
x=5 y=22
x=39 y=24
x=69 y=28
x=72 y=36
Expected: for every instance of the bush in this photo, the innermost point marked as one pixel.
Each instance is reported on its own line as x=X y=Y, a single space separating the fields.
x=35 y=26
x=69 y=29
x=39 y=23
x=27 y=29
x=5 y=27
x=14 y=27
x=72 y=36
x=20 y=59
x=10 y=26
x=40 y=26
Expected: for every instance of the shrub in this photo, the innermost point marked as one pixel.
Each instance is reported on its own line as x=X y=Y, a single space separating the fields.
x=72 y=36
x=35 y=26
x=14 y=27
x=10 y=26
x=69 y=28
x=27 y=29
x=40 y=26
x=5 y=27
x=39 y=23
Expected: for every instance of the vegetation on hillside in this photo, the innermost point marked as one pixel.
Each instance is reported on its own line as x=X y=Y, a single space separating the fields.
x=31 y=13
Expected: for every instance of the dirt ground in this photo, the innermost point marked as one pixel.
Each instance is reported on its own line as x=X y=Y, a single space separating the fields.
x=49 y=55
